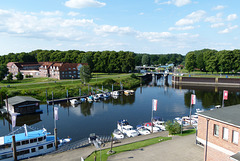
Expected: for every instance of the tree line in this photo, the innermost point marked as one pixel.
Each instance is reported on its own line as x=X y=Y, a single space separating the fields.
x=208 y=60
x=98 y=61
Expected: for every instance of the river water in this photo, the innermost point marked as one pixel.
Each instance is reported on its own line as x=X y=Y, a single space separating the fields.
x=101 y=117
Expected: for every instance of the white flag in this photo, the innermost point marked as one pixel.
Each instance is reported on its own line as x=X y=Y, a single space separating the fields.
x=154 y=104
x=56 y=113
x=25 y=128
x=14 y=118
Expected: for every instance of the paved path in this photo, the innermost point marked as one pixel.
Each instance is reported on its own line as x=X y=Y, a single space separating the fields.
x=180 y=149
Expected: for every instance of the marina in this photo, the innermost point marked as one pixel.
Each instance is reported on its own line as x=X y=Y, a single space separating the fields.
x=101 y=117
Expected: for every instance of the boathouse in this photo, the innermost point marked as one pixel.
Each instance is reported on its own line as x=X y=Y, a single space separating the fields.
x=22 y=105
x=218 y=131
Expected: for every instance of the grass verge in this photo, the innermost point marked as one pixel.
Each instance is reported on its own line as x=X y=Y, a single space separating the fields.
x=187 y=132
x=124 y=148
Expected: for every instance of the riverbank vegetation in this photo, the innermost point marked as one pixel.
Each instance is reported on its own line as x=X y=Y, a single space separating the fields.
x=123 y=148
x=41 y=88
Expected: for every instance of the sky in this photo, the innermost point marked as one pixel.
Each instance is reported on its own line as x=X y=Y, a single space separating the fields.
x=140 y=26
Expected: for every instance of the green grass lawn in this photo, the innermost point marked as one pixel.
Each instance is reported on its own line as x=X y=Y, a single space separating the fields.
x=187 y=132
x=125 y=148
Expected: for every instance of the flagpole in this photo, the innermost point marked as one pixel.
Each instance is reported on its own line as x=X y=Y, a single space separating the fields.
x=223 y=100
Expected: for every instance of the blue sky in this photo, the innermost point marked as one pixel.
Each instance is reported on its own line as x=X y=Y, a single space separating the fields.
x=141 y=26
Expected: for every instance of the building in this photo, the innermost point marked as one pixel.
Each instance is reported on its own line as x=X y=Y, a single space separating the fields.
x=58 y=70
x=218 y=131
x=22 y=105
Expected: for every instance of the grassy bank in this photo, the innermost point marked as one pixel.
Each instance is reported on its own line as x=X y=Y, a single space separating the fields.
x=37 y=87
x=124 y=148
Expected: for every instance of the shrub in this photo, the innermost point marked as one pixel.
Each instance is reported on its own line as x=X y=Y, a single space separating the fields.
x=173 y=127
x=133 y=76
x=109 y=82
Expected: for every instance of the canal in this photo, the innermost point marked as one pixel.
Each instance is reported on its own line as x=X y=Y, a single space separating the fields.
x=101 y=117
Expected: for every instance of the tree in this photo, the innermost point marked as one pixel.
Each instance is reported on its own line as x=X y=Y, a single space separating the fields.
x=85 y=73
x=3 y=71
x=145 y=60
x=10 y=77
x=19 y=76
x=190 y=61
x=173 y=127
x=200 y=62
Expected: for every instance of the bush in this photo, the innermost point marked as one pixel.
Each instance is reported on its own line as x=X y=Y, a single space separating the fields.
x=109 y=82
x=173 y=127
x=133 y=76
x=19 y=76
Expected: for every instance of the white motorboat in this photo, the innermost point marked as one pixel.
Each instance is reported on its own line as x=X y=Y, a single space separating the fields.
x=159 y=123
x=106 y=95
x=95 y=140
x=29 y=143
x=74 y=102
x=199 y=110
x=115 y=93
x=142 y=130
x=128 y=92
x=96 y=98
x=151 y=127
x=100 y=95
x=127 y=129
x=118 y=134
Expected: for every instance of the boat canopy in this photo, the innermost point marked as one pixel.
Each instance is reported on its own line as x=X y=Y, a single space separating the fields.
x=148 y=124
x=123 y=122
x=22 y=136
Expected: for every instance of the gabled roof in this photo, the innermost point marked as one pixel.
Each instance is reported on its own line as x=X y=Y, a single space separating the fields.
x=20 y=99
x=228 y=115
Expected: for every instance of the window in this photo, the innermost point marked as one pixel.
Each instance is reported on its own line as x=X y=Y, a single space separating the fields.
x=23 y=152
x=225 y=133
x=25 y=142
x=235 y=137
x=49 y=146
x=216 y=130
x=18 y=143
x=33 y=140
x=33 y=150
x=40 y=147
x=40 y=139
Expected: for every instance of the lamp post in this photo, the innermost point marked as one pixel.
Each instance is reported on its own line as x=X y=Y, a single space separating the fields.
x=72 y=79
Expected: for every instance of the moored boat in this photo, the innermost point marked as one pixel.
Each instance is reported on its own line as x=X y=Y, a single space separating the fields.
x=126 y=129
x=142 y=130
x=151 y=127
x=29 y=143
x=118 y=134
x=74 y=102
x=128 y=92
x=159 y=123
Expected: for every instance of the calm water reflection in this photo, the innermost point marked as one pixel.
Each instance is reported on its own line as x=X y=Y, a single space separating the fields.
x=101 y=117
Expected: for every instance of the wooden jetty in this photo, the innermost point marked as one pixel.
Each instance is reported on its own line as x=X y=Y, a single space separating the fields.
x=65 y=99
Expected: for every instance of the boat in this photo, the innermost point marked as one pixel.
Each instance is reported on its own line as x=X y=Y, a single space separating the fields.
x=199 y=110
x=100 y=95
x=142 y=130
x=128 y=92
x=181 y=122
x=29 y=143
x=96 y=98
x=159 y=123
x=106 y=95
x=74 y=101
x=117 y=134
x=82 y=99
x=126 y=128
x=115 y=93
x=90 y=99
x=151 y=127
x=95 y=140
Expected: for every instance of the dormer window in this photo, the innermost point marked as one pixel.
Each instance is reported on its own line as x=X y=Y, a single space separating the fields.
x=57 y=68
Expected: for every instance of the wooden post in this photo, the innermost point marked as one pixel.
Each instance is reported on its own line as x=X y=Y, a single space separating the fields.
x=14 y=148
x=46 y=95
x=55 y=138
x=7 y=103
x=67 y=95
x=79 y=92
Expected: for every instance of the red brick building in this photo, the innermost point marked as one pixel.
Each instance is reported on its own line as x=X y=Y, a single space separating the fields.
x=218 y=131
x=56 y=70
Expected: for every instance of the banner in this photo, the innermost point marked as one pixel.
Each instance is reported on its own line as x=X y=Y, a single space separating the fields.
x=193 y=99
x=14 y=118
x=154 y=104
x=56 y=113
x=225 y=94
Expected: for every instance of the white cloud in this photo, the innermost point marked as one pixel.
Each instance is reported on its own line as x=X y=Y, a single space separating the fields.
x=178 y=3
x=104 y=30
x=181 y=28
x=141 y=13
x=228 y=29
x=219 y=7
x=154 y=36
x=216 y=25
x=34 y=25
x=214 y=19
x=191 y=18
x=231 y=17
x=73 y=13
x=83 y=3
x=55 y=13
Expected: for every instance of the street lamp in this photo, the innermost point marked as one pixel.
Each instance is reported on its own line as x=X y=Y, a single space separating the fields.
x=72 y=79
